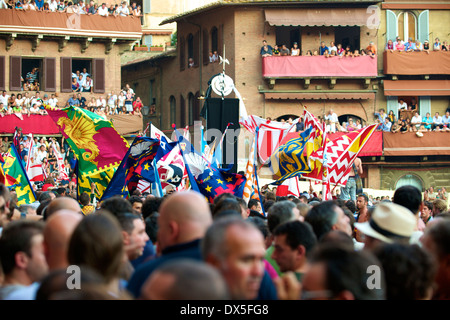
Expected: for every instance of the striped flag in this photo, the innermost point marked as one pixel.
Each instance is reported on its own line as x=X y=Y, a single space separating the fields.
x=250 y=183
x=62 y=174
x=270 y=135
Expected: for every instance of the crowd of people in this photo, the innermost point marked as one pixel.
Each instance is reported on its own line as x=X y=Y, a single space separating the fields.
x=416 y=46
x=180 y=247
x=76 y=6
x=332 y=50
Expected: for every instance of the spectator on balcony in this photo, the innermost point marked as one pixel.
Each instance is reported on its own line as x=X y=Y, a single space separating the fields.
x=295 y=50
x=340 y=51
x=92 y=104
x=381 y=115
x=284 y=51
x=402 y=105
x=348 y=52
x=61 y=6
x=81 y=100
x=101 y=102
x=137 y=106
x=26 y=85
x=437 y=45
x=53 y=102
x=427 y=122
x=332 y=47
x=111 y=9
x=103 y=10
x=332 y=118
x=445 y=46
x=356 y=53
x=128 y=102
x=392 y=117
x=419 y=46
x=123 y=10
x=3 y=4
x=437 y=123
x=350 y=126
x=112 y=102
x=53 y=5
x=371 y=49
x=390 y=46
x=36 y=100
x=266 y=50
x=308 y=53
x=121 y=102
x=416 y=122
x=385 y=126
x=410 y=46
x=426 y=46
x=445 y=120
x=400 y=45
x=39 y=4
x=73 y=101
x=323 y=48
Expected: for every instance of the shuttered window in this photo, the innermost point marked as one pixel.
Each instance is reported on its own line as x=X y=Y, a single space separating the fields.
x=423 y=26
x=15 y=73
x=391 y=26
x=205 y=50
x=2 y=73
x=98 y=74
x=66 y=74
x=50 y=74
x=182 y=54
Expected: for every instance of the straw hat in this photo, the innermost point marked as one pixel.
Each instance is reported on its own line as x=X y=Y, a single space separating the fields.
x=389 y=221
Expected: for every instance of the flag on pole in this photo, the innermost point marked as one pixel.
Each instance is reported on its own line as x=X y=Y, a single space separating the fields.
x=62 y=174
x=97 y=145
x=250 y=191
x=288 y=160
x=16 y=177
x=270 y=135
x=33 y=167
x=136 y=165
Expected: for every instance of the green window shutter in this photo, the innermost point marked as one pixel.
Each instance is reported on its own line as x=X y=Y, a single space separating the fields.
x=391 y=26
x=146 y=6
x=424 y=106
x=392 y=104
x=423 y=26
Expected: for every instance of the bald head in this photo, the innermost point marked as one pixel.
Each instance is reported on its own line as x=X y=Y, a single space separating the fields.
x=183 y=217
x=61 y=203
x=57 y=233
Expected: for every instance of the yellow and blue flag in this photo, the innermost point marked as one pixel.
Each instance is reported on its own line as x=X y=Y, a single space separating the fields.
x=288 y=160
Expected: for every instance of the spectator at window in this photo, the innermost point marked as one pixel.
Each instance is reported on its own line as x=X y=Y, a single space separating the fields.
x=445 y=46
x=191 y=63
x=358 y=124
x=427 y=122
x=32 y=75
x=88 y=85
x=276 y=50
x=340 y=51
x=266 y=50
x=437 y=125
x=75 y=85
x=390 y=46
x=410 y=46
x=284 y=51
x=26 y=85
x=216 y=56
x=322 y=48
x=295 y=50
x=426 y=46
x=103 y=10
x=35 y=86
x=437 y=45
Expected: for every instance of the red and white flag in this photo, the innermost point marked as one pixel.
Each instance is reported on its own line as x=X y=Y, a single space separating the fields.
x=33 y=166
x=270 y=134
x=289 y=187
x=60 y=164
x=143 y=186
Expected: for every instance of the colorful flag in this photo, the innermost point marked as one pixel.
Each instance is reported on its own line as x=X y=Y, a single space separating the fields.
x=250 y=187
x=62 y=174
x=288 y=160
x=98 y=146
x=271 y=133
x=206 y=178
x=136 y=165
x=16 y=177
x=2 y=174
x=34 y=167
x=289 y=187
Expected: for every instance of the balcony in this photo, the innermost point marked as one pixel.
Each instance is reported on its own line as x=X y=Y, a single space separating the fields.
x=417 y=63
x=288 y=67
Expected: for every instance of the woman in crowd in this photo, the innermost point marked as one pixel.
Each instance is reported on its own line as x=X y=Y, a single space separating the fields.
x=75 y=85
x=392 y=117
x=121 y=102
x=400 y=46
x=295 y=51
x=129 y=102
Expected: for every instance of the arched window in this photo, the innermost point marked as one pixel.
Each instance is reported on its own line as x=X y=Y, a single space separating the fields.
x=182 y=112
x=190 y=44
x=407 y=26
x=410 y=180
x=173 y=110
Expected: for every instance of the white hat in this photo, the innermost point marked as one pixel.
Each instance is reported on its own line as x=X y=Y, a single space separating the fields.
x=388 y=221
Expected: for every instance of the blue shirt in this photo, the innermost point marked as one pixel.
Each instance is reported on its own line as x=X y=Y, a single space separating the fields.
x=410 y=46
x=386 y=127
x=39 y=4
x=73 y=102
x=322 y=50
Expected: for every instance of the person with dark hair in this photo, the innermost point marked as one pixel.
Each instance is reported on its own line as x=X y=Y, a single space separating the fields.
x=134 y=235
x=436 y=240
x=426 y=213
x=223 y=196
x=151 y=227
x=183 y=220
x=341 y=273
x=268 y=204
x=293 y=243
x=226 y=204
x=22 y=255
x=254 y=204
x=151 y=206
x=328 y=216
x=245 y=212
x=86 y=206
x=97 y=242
x=409 y=271
x=136 y=203
x=183 y=279
x=45 y=195
x=362 y=215
x=116 y=205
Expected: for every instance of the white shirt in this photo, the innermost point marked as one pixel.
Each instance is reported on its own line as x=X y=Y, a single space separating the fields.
x=4 y=99
x=112 y=100
x=437 y=120
x=333 y=48
x=53 y=5
x=123 y=11
x=416 y=119
x=103 y=12
x=402 y=106
x=332 y=117
x=53 y=102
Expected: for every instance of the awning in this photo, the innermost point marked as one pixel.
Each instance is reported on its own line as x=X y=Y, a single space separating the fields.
x=417 y=87
x=318 y=17
x=318 y=96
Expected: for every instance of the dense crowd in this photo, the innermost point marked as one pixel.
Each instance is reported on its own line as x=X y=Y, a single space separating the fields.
x=179 y=247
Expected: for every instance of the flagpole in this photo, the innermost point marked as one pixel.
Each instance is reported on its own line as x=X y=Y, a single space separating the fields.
x=256 y=174
x=324 y=164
